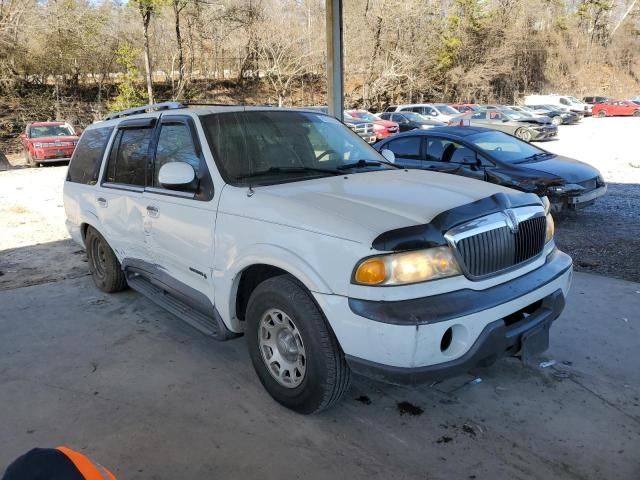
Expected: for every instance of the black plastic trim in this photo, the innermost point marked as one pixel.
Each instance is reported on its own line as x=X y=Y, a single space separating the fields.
x=450 y=305
x=432 y=234
x=495 y=341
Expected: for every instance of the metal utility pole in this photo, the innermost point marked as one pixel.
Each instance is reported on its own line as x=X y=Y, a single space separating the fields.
x=335 y=73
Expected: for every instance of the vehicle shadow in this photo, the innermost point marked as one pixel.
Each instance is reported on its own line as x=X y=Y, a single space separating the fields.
x=41 y=263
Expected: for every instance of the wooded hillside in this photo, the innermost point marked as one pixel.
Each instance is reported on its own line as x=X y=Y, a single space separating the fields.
x=79 y=58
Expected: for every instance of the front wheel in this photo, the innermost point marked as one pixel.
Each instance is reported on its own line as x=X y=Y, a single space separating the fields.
x=557 y=120
x=294 y=352
x=636 y=113
x=103 y=264
x=28 y=159
x=524 y=134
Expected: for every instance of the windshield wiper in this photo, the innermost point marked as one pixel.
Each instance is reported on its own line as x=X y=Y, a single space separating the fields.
x=276 y=170
x=365 y=163
x=535 y=156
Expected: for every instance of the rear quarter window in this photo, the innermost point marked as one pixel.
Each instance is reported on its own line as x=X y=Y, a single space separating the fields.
x=85 y=163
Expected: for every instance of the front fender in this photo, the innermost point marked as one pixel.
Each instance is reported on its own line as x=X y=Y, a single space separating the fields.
x=227 y=277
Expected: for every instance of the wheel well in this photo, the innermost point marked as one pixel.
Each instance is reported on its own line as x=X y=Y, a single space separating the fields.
x=250 y=279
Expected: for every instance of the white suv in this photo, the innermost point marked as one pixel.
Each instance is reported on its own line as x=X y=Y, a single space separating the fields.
x=286 y=226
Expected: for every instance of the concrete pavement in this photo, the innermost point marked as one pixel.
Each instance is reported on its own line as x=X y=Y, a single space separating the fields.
x=128 y=384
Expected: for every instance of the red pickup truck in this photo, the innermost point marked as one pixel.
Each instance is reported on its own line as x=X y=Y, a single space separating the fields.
x=48 y=142
x=612 y=108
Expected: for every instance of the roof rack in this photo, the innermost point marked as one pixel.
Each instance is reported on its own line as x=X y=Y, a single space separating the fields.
x=145 y=109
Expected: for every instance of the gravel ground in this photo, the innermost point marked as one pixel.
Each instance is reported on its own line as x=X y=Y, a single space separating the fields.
x=603 y=238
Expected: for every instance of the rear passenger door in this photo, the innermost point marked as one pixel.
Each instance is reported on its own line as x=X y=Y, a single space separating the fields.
x=179 y=224
x=119 y=201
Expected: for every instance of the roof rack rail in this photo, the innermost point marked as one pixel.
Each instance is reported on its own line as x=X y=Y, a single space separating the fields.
x=145 y=109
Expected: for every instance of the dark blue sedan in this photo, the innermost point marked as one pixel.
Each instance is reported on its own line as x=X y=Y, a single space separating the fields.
x=499 y=158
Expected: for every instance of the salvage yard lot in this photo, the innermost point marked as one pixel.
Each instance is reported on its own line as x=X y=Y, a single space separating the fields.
x=125 y=382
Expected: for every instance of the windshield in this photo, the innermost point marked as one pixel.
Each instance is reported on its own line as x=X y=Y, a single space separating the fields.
x=264 y=147
x=513 y=115
x=369 y=117
x=505 y=148
x=414 y=117
x=51 y=131
x=446 y=109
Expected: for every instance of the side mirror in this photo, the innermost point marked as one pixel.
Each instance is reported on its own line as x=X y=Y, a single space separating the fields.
x=22 y=136
x=504 y=120
x=176 y=175
x=388 y=155
x=78 y=131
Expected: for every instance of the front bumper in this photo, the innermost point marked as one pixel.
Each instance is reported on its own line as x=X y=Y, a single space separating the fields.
x=402 y=341
x=544 y=134
x=497 y=339
x=585 y=199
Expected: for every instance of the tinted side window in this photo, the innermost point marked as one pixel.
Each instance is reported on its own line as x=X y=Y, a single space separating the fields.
x=442 y=150
x=175 y=144
x=408 y=147
x=479 y=116
x=87 y=157
x=129 y=156
x=564 y=101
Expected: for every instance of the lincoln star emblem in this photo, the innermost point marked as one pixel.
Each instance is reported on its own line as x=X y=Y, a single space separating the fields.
x=512 y=221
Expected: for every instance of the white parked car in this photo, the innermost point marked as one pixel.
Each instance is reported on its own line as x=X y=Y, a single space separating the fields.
x=285 y=226
x=570 y=103
x=435 y=111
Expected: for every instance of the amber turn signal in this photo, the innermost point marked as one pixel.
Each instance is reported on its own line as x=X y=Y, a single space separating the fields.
x=371 y=272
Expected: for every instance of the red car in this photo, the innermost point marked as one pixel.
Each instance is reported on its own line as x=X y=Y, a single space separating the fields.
x=612 y=108
x=48 y=142
x=465 y=107
x=382 y=128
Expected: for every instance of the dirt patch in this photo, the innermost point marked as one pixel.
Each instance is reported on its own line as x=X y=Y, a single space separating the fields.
x=35 y=246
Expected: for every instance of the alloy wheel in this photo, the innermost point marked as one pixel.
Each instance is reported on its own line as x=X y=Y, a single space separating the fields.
x=282 y=348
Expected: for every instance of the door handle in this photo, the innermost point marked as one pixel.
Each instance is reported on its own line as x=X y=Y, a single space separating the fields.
x=102 y=202
x=152 y=211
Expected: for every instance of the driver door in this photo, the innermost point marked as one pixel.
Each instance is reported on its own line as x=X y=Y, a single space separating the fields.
x=179 y=224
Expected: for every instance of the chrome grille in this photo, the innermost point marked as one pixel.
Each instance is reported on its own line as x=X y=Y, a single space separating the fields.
x=498 y=249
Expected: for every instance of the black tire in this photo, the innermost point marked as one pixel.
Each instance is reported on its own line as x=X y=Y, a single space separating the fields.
x=327 y=375
x=636 y=113
x=103 y=264
x=602 y=114
x=29 y=159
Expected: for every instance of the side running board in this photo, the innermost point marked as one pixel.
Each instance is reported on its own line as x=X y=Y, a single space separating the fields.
x=211 y=325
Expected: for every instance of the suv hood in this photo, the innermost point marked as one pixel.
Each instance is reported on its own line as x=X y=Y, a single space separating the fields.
x=360 y=206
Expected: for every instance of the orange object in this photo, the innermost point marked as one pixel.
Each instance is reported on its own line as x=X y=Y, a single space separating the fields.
x=88 y=469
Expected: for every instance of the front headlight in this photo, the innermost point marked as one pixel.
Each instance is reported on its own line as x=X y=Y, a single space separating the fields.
x=551 y=228
x=407 y=267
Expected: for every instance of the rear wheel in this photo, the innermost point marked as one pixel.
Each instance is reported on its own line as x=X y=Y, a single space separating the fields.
x=103 y=264
x=602 y=114
x=636 y=113
x=524 y=134
x=294 y=352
